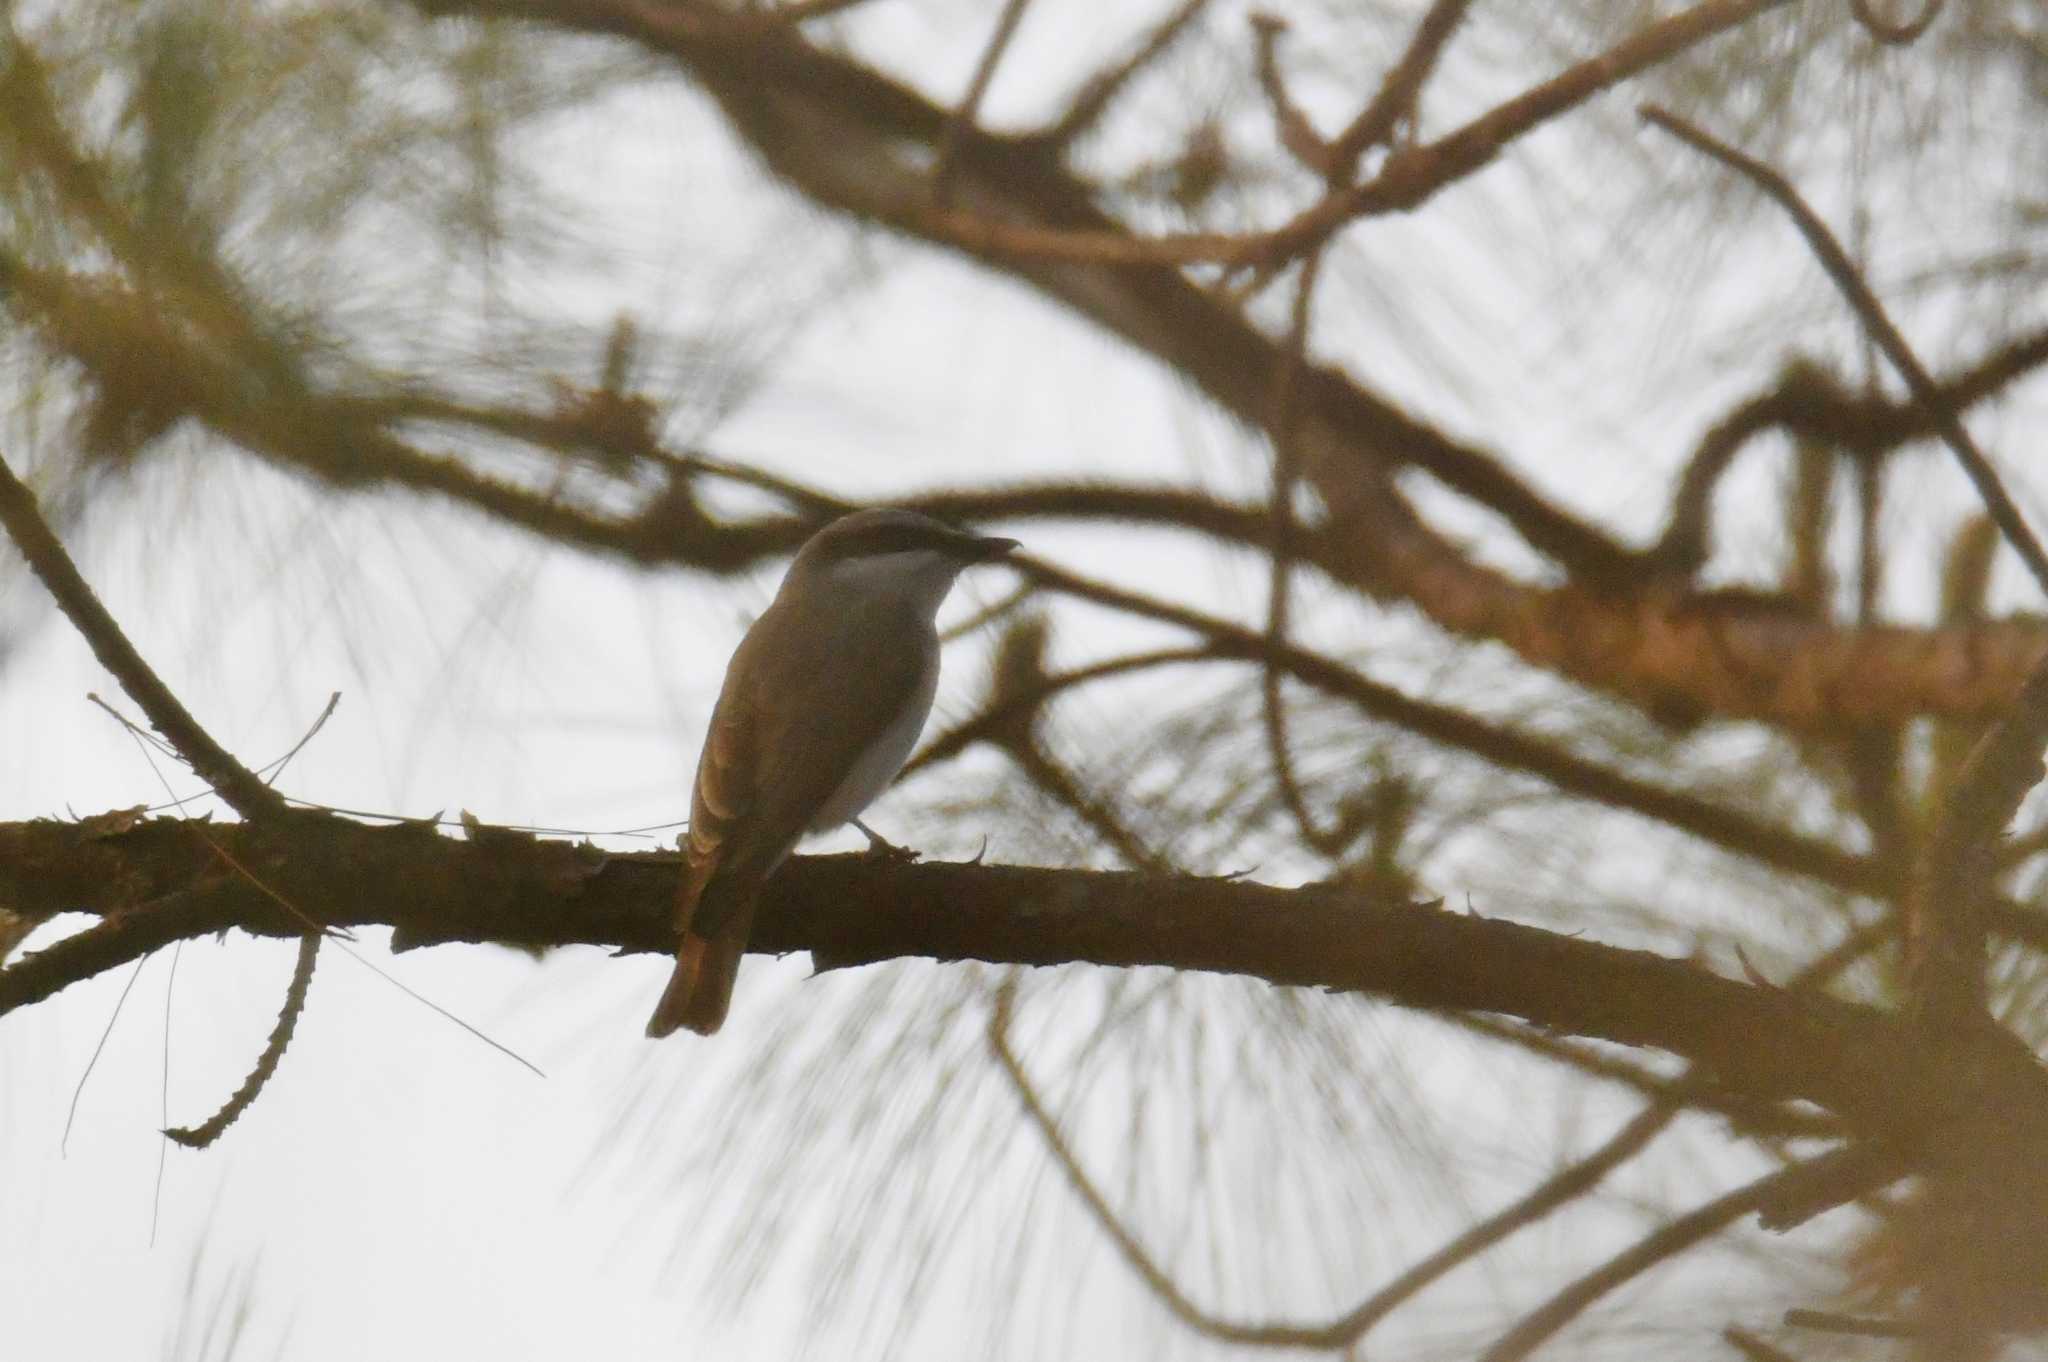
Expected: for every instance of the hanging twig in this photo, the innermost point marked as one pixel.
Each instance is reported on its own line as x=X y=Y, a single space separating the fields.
x=204 y=1134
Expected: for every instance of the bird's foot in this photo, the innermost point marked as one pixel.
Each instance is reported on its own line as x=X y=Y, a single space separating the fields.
x=881 y=848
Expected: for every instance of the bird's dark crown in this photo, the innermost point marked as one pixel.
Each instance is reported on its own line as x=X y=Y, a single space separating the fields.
x=873 y=532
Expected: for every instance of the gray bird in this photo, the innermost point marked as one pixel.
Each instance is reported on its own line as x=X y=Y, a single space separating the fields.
x=823 y=701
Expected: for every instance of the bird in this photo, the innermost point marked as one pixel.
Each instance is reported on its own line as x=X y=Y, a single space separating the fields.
x=822 y=702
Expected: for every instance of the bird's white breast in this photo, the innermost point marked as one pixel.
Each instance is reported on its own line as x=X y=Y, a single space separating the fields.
x=884 y=757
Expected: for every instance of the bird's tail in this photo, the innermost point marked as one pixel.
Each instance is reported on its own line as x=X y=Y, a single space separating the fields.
x=700 y=989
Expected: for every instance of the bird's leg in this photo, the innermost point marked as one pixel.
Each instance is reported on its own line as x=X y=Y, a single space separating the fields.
x=881 y=848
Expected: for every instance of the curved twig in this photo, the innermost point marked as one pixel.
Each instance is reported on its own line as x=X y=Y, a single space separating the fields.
x=1878 y=323
x=1675 y=1237
x=204 y=1134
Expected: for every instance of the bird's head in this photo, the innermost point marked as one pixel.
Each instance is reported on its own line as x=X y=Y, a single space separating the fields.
x=888 y=553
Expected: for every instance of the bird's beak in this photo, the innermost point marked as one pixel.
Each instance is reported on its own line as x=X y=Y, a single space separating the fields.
x=988 y=548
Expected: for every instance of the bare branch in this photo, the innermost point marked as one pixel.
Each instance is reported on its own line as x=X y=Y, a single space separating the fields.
x=1411 y=177
x=154 y=884
x=1808 y=402
x=204 y=1134
x=1850 y=281
x=1281 y=433
x=1827 y=1321
x=24 y=523
x=1295 y=131
x=1664 y=1244
x=964 y=118
x=1395 y=103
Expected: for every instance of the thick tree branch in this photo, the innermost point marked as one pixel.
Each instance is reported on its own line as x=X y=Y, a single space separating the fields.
x=154 y=883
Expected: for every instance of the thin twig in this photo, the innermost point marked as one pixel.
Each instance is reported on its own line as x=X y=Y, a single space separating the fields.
x=24 y=523
x=277 y=767
x=204 y=1134
x=1673 y=1238
x=1183 y=1308
x=1087 y=107
x=1754 y=1348
x=1395 y=103
x=1293 y=127
x=156 y=1202
x=93 y=1063
x=1849 y=280
x=1281 y=431
x=1404 y=183
x=1554 y=1192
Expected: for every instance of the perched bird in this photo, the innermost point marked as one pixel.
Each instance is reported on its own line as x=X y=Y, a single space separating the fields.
x=823 y=700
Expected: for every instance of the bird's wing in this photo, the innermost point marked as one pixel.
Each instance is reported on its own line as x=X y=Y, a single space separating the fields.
x=774 y=755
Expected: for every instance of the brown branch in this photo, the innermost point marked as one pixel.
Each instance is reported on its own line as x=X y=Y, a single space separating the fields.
x=1849 y=280
x=1951 y=885
x=966 y=116
x=1760 y=1120
x=1403 y=184
x=1945 y=905
x=204 y=1134
x=1296 y=133
x=1491 y=742
x=1411 y=177
x=837 y=130
x=1554 y=1192
x=1280 y=579
x=1807 y=402
x=152 y=885
x=1827 y=1321
x=1672 y=1239
x=240 y=787
x=46 y=557
x=1395 y=103
x=1004 y=711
